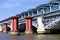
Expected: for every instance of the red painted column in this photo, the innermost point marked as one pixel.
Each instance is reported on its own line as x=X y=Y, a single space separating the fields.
x=28 y=25
x=14 y=24
x=5 y=27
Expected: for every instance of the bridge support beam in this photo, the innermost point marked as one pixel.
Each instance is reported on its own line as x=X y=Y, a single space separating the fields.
x=40 y=28
x=14 y=25
x=28 y=25
x=5 y=28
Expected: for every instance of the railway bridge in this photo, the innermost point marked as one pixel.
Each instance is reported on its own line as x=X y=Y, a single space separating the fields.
x=40 y=19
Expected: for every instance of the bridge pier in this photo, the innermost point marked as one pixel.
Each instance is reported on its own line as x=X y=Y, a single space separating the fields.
x=1 y=29
x=14 y=25
x=28 y=25
x=5 y=28
x=40 y=28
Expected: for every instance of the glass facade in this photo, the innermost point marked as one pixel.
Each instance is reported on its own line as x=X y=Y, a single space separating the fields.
x=55 y=6
x=40 y=10
x=35 y=12
x=47 y=9
x=22 y=15
x=30 y=13
x=26 y=14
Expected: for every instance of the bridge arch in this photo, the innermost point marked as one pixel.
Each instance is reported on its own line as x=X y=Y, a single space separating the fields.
x=22 y=28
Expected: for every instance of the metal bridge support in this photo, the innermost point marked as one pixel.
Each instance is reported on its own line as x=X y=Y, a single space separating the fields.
x=5 y=27
x=40 y=28
x=28 y=25
x=14 y=25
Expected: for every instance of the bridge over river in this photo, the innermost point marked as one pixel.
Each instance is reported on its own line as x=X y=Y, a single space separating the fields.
x=42 y=19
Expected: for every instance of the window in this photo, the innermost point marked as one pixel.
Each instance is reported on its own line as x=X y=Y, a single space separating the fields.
x=26 y=14
x=35 y=12
x=22 y=15
x=47 y=9
x=40 y=10
x=30 y=13
x=55 y=6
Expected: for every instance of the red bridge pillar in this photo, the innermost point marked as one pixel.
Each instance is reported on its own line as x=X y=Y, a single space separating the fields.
x=5 y=27
x=28 y=25
x=14 y=25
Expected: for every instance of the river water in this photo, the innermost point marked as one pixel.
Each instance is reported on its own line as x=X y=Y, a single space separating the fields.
x=5 y=36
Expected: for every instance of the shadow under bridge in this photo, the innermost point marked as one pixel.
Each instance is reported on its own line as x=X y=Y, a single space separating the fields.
x=22 y=27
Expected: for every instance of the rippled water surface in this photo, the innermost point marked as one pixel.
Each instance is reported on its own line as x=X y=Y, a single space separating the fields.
x=4 y=36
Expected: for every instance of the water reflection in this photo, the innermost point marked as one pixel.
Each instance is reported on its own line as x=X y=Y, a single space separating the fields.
x=14 y=38
x=28 y=37
x=40 y=37
x=4 y=36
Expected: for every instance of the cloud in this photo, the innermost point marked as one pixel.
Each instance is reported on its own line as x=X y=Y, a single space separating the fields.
x=10 y=4
x=24 y=0
x=35 y=0
x=14 y=3
x=31 y=0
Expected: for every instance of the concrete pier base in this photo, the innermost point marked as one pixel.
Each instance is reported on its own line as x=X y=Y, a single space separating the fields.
x=40 y=32
x=28 y=32
x=22 y=33
x=14 y=33
x=40 y=28
x=45 y=31
x=5 y=31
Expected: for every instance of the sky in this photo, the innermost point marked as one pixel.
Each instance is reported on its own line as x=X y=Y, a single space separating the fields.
x=10 y=8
